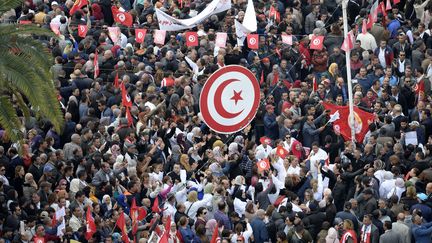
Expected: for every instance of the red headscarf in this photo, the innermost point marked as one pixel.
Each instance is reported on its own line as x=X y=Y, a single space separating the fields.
x=297 y=152
x=97 y=11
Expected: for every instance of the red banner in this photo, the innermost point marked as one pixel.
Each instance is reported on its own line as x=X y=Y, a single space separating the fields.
x=341 y=124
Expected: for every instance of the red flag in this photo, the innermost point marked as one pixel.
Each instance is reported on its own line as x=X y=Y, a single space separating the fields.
x=126 y=100
x=262 y=77
x=263 y=164
x=159 y=37
x=396 y=1
x=317 y=42
x=275 y=78
x=116 y=81
x=134 y=216
x=140 y=35
x=388 y=5
x=37 y=239
x=121 y=224
x=55 y=28
x=215 y=235
x=287 y=39
x=419 y=89
x=314 y=84
x=77 y=5
x=25 y=22
x=252 y=41
x=96 y=65
x=327 y=161
x=364 y=27
x=191 y=38
x=91 y=226
x=221 y=39
x=370 y=22
x=181 y=3
x=155 y=208
x=348 y=44
x=129 y=116
x=123 y=18
x=274 y=14
x=281 y=152
x=361 y=121
x=82 y=30
x=382 y=9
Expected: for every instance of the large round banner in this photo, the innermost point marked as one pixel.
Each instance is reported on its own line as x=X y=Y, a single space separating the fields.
x=229 y=99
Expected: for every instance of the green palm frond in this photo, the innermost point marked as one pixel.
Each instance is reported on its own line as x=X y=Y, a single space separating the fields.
x=9 y=119
x=24 y=73
x=6 y=5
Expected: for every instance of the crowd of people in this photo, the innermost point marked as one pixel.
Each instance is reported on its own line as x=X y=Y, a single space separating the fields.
x=191 y=184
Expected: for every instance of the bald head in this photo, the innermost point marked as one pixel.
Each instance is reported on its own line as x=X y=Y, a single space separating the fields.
x=401 y=217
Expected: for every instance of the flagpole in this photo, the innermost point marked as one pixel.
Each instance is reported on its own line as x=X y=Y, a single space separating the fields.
x=348 y=69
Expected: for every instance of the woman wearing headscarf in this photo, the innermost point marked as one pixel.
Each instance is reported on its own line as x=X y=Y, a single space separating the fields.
x=181 y=141
x=29 y=186
x=297 y=150
x=97 y=12
x=210 y=226
x=107 y=205
x=333 y=73
x=240 y=202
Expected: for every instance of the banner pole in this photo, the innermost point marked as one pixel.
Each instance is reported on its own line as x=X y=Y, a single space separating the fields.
x=348 y=69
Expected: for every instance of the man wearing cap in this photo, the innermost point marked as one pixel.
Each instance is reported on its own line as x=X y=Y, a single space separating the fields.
x=271 y=128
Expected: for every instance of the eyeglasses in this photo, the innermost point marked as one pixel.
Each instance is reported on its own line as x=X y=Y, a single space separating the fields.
x=204 y=212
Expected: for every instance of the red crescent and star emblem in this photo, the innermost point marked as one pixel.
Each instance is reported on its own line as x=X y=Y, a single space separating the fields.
x=229 y=99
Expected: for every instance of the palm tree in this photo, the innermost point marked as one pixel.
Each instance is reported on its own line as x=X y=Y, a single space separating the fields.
x=25 y=81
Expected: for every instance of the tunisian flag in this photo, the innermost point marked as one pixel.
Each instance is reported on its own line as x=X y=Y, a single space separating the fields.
x=252 y=40
x=77 y=5
x=123 y=18
x=317 y=42
x=91 y=226
x=140 y=35
x=263 y=164
x=191 y=39
x=361 y=121
x=281 y=152
x=82 y=30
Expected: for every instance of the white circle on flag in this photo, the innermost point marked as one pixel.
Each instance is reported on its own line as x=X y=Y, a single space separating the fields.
x=229 y=99
x=191 y=38
x=316 y=41
x=82 y=28
x=252 y=41
x=121 y=17
x=140 y=35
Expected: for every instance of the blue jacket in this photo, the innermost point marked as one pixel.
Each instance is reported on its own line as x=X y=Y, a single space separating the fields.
x=422 y=233
x=271 y=128
x=260 y=232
